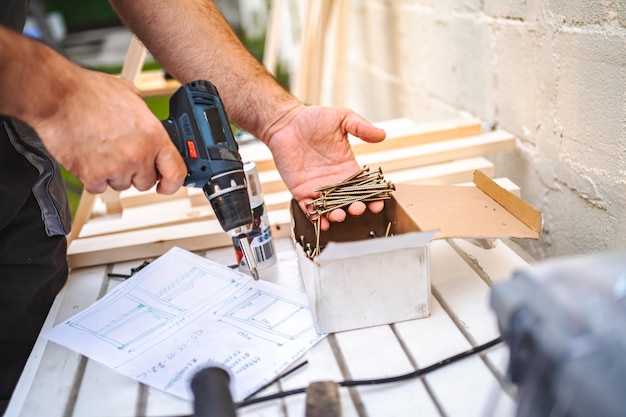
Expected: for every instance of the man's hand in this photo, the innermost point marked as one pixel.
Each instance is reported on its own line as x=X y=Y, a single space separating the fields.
x=311 y=149
x=105 y=134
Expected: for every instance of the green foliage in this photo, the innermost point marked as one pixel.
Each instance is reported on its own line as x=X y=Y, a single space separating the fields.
x=256 y=47
x=74 y=190
x=83 y=15
x=282 y=75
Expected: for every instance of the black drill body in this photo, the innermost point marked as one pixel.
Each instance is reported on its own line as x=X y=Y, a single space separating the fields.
x=200 y=129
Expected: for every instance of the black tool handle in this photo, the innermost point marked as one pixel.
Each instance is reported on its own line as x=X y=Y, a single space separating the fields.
x=212 y=397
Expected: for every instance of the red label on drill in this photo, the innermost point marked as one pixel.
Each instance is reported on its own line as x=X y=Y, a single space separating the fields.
x=191 y=149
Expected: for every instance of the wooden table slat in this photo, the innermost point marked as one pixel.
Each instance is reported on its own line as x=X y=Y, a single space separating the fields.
x=463 y=291
x=375 y=352
x=59 y=365
x=461 y=389
x=498 y=263
x=321 y=366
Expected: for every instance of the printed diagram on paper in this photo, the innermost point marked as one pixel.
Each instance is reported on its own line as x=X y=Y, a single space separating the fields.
x=182 y=313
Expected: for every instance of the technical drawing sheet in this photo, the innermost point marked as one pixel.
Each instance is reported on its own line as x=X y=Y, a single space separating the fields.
x=182 y=313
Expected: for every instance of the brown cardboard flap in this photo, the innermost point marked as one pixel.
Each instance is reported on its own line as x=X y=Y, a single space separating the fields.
x=529 y=215
x=459 y=211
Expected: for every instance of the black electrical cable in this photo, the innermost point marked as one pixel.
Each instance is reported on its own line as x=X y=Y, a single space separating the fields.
x=376 y=381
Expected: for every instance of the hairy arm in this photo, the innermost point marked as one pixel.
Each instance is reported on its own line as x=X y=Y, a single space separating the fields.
x=23 y=62
x=95 y=125
x=191 y=39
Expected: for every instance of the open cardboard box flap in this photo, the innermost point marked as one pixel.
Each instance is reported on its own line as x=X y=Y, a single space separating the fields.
x=484 y=211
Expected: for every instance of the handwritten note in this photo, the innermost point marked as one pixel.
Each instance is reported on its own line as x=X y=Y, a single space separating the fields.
x=183 y=313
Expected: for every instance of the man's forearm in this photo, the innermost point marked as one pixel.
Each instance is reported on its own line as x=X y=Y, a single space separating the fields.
x=33 y=77
x=191 y=40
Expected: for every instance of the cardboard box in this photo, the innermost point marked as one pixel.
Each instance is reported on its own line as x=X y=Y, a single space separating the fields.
x=362 y=279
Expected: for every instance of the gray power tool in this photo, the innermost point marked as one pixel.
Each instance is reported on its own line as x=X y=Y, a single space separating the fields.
x=565 y=324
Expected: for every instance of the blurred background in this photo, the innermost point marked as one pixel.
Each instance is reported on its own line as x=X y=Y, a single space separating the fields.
x=552 y=73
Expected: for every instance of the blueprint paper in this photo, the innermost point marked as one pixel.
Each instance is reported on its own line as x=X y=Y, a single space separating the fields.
x=182 y=313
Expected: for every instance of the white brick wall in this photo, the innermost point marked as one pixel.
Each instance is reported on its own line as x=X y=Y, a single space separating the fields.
x=552 y=72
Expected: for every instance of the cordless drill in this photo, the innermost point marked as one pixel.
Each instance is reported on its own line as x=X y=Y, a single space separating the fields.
x=199 y=127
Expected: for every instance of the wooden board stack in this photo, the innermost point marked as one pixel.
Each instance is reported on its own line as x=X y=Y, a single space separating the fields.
x=134 y=225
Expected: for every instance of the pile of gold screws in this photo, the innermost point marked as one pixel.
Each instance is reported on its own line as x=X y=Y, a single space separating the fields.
x=364 y=186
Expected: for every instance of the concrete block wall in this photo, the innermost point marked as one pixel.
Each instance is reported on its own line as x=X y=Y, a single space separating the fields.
x=551 y=72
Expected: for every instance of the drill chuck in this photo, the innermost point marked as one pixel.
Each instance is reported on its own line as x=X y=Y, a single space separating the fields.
x=228 y=195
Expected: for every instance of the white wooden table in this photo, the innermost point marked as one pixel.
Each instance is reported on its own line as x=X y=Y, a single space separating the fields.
x=60 y=382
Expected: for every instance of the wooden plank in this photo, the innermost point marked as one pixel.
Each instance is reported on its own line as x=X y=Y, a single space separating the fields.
x=504 y=182
x=82 y=215
x=154 y=84
x=401 y=132
x=134 y=198
x=167 y=213
x=111 y=200
x=340 y=14
x=432 y=153
x=145 y=243
x=452 y=172
x=306 y=46
x=156 y=241
x=272 y=35
x=134 y=59
x=308 y=77
x=490 y=265
x=151 y=215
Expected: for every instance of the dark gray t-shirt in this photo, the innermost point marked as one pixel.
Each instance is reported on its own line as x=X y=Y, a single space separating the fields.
x=49 y=189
